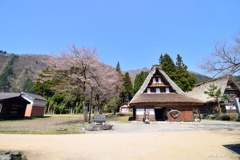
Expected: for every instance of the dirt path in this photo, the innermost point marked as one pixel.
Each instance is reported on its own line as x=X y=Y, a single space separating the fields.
x=198 y=145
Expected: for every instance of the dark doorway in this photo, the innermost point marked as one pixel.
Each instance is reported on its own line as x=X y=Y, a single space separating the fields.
x=160 y=114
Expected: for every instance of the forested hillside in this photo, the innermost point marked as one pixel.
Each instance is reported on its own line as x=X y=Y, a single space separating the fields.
x=18 y=72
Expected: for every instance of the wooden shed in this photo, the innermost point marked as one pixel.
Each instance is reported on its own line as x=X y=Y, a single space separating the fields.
x=161 y=99
x=37 y=105
x=124 y=109
x=12 y=106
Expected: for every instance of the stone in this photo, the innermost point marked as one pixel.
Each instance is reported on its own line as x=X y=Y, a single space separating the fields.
x=95 y=127
x=5 y=157
x=12 y=155
x=106 y=127
x=92 y=127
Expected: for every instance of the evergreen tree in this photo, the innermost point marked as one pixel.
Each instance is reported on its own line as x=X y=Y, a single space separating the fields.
x=139 y=79
x=214 y=92
x=177 y=72
x=179 y=63
x=161 y=59
x=118 y=68
x=182 y=77
x=167 y=65
x=7 y=72
x=127 y=87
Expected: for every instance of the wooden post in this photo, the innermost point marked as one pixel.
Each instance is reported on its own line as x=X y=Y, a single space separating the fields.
x=199 y=114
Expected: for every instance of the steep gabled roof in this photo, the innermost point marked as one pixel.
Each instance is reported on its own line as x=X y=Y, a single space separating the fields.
x=149 y=77
x=221 y=82
x=177 y=97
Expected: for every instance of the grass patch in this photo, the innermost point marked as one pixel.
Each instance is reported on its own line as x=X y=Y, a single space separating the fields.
x=223 y=117
x=69 y=129
x=64 y=115
x=122 y=119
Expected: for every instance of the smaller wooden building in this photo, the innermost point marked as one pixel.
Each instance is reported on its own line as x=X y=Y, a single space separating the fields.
x=124 y=109
x=12 y=106
x=37 y=105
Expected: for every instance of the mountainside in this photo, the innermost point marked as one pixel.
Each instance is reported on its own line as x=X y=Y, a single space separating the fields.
x=199 y=77
x=19 y=72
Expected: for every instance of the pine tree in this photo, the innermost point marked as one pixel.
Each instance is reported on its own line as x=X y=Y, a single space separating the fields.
x=179 y=63
x=214 y=92
x=177 y=72
x=127 y=87
x=167 y=65
x=182 y=77
x=139 y=79
x=118 y=68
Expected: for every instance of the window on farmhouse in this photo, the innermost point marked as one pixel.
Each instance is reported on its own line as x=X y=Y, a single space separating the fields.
x=159 y=80
x=158 y=90
x=154 y=80
x=167 y=90
x=148 y=90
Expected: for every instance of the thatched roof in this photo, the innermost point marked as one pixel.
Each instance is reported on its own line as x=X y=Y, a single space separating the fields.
x=198 y=91
x=149 y=77
x=177 y=97
x=164 y=99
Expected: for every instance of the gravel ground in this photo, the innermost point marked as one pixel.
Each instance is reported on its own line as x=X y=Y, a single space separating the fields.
x=140 y=127
x=128 y=141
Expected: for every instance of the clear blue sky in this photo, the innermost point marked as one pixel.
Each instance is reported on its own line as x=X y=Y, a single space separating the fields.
x=133 y=32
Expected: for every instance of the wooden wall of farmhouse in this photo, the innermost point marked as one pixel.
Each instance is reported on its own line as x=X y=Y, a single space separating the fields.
x=34 y=111
x=186 y=114
x=141 y=117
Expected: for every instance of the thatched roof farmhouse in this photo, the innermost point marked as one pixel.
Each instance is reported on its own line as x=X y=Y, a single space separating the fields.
x=227 y=86
x=161 y=99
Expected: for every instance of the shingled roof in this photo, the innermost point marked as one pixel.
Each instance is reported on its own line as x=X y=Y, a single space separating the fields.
x=161 y=98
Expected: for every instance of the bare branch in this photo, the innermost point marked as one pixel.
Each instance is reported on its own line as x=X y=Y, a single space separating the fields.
x=224 y=60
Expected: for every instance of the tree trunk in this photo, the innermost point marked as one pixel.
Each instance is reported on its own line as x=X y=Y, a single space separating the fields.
x=85 y=112
x=95 y=110
x=99 y=107
x=48 y=111
x=219 y=108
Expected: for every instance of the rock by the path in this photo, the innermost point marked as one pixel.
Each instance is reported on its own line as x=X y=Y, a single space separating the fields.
x=95 y=127
x=12 y=155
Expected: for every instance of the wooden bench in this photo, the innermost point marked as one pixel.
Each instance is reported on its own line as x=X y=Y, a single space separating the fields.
x=99 y=118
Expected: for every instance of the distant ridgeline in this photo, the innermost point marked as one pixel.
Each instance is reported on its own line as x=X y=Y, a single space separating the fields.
x=3 y=53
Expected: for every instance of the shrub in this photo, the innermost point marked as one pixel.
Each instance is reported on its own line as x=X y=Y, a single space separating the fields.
x=234 y=117
x=225 y=117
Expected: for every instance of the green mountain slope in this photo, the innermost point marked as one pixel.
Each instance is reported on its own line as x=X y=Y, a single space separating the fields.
x=18 y=72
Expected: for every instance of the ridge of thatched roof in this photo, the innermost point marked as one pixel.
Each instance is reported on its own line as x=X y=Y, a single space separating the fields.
x=149 y=77
x=198 y=92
